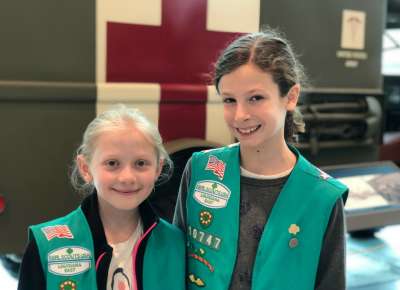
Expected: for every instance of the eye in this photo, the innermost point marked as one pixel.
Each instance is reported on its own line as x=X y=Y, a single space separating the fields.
x=256 y=98
x=228 y=100
x=141 y=163
x=111 y=164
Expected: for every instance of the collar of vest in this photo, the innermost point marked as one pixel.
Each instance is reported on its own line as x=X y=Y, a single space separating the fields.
x=90 y=208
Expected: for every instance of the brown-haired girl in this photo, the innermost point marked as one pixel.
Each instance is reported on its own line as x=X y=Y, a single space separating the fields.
x=257 y=214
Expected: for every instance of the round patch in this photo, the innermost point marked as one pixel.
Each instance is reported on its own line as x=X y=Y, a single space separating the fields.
x=68 y=285
x=205 y=218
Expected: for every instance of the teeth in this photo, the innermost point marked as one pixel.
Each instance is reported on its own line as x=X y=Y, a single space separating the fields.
x=247 y=131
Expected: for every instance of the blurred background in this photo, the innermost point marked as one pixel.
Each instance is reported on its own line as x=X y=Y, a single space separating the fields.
x=61 y=63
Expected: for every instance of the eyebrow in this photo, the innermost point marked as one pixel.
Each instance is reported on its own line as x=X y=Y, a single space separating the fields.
x=252 y=91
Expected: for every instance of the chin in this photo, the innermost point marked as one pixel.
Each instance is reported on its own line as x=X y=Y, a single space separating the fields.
x=127 y=206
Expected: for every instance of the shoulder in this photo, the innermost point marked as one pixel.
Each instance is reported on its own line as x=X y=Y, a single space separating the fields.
x=321 y=178
x=217 y=151
x=56 y=226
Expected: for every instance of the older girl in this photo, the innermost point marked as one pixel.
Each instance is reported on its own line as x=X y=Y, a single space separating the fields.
x=257 y=214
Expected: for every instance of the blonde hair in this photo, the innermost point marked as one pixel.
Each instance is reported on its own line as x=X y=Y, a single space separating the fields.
x=116 y=117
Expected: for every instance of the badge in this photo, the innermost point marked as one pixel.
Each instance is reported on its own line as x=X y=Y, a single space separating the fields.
x=293 y=243
x=294 y=229
x=196 y=280
x=205 y=218
x=69 y=261
x=211 y=194
x=199 y=256
x=57 y=231
x=216 y=166
x=204 y=238
x=68 y=285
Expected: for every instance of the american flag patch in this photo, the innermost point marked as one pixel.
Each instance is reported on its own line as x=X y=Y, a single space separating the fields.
x=57 y=231
x=216 y=166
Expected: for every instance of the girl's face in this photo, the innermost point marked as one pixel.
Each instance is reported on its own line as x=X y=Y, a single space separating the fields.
x=254 y=110
x=123 y=169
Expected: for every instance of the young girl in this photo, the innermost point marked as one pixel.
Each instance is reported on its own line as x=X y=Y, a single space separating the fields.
x=113 y=240
x=257 y=214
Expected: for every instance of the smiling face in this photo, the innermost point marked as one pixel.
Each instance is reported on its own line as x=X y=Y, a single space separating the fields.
x=254 y=109
x=123 y=168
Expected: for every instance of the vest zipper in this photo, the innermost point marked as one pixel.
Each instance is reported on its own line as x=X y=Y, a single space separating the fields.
x=134 y=254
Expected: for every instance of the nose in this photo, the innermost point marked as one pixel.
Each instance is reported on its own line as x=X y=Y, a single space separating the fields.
x=241 y=113
x=127 y=175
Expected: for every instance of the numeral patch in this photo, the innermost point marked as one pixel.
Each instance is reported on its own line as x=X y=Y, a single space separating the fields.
x=204 y=238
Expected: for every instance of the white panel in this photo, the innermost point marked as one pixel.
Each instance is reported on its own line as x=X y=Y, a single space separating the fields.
x=233 y=15
x=145 y=12
x=353 y=29
x=143 y=96
x=216 y=129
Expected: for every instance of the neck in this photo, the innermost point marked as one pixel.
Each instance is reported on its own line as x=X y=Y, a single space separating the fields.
x=267 y=159
x=118 y=225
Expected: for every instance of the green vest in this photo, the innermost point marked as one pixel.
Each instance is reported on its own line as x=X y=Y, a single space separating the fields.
x=288 y=253
x=66 y=253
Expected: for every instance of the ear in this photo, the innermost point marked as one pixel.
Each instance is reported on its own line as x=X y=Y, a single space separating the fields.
x=293 y=97
x=83 y=167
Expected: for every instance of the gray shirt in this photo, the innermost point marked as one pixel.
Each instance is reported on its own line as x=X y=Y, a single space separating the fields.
x=257 y=197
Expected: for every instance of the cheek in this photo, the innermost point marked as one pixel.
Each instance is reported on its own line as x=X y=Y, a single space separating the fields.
x=228 y=114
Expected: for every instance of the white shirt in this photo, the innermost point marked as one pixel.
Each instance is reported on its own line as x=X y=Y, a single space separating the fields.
x=120 y=272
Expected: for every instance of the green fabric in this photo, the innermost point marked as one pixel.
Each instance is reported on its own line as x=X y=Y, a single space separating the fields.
x=164 y=259
x=306 y=202
x=81 y=242
x=163 y=264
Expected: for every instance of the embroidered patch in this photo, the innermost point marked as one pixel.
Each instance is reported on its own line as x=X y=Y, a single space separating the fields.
x=204 y=238
x=216 y=166
x=196 y=280
x=294 y=229
x=57 y=231
x=211 y=194
x=69 y=261
x=199 y=257
x=68 y=285
x=206 y=218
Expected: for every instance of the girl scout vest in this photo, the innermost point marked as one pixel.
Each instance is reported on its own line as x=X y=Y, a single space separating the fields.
x=66 y=253
x=288 y=253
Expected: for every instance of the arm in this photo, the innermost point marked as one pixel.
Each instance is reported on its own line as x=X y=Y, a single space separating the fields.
x=180 y=208
x=31 y=276
x=331 y=273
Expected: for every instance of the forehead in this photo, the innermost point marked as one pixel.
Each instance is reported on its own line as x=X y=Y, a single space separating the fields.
x=126 y=139
x=247 y=77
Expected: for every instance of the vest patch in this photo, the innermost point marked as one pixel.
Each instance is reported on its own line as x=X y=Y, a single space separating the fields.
x=211 y=194
x=204 y=238
x=69 y=261
x=196 y=280
x=205 y=218
x=68 y=285
x=58 y=231
x=216 y=166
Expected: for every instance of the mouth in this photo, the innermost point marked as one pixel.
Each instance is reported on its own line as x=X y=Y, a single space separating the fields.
x=247 y=131
x=126 y=191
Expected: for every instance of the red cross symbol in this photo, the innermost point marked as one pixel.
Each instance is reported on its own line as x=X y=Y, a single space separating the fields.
x=178 y=55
